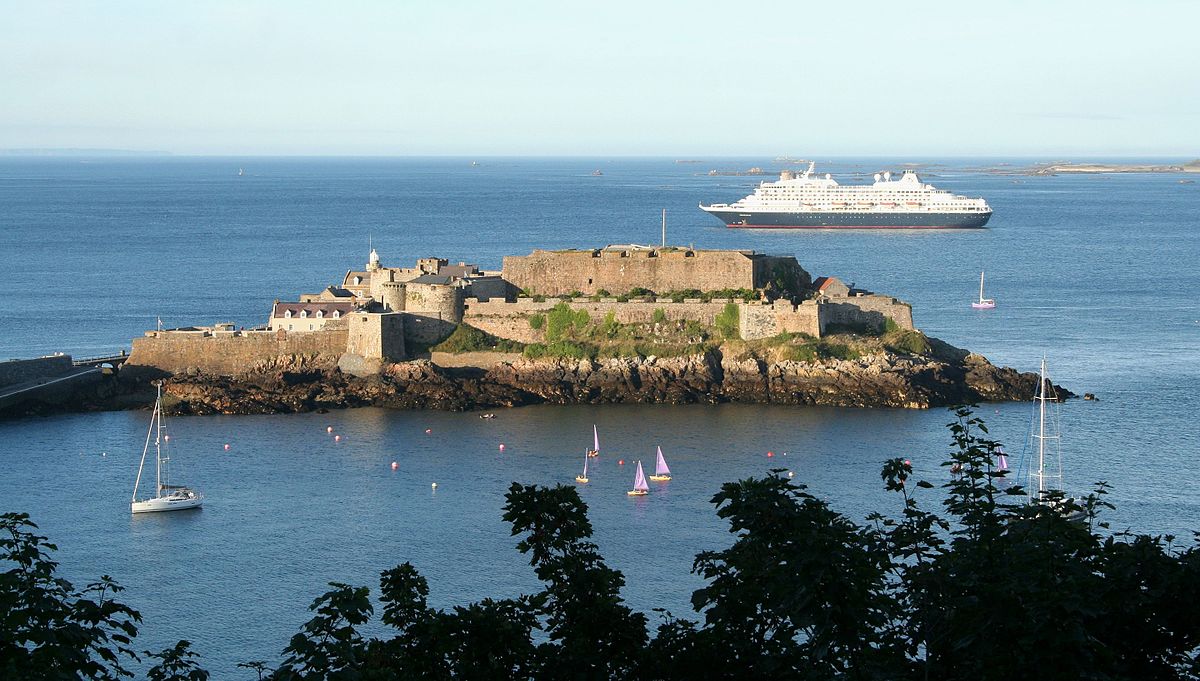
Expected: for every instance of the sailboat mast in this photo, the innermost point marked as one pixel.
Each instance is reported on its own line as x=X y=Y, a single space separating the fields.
x=145 y=448
x=1042 y=429
x=981 y=286
x=158 y=443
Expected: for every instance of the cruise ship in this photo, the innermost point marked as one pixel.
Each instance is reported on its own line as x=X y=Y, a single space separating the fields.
x=807 y=201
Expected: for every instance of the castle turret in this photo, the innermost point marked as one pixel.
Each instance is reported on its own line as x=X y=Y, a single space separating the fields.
x=392 y=296
x=373 y=261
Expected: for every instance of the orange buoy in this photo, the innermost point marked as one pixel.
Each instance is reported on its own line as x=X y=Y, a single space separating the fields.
x=428 y=431
x=620 y=462
x=908 y=462
x=395 y=465
x=770 y=454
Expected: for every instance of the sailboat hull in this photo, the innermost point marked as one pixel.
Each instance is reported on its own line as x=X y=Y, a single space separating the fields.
x=660 y=478
x=167 y=503
x=580 y=479
x=984 y=305
x=637 y=492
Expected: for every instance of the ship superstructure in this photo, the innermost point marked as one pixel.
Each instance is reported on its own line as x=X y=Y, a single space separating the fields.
x=807 y=200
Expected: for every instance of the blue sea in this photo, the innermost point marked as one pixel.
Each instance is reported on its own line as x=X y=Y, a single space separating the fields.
x=1096 y=273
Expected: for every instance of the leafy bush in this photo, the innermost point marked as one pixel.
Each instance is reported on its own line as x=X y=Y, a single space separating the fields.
x=610 y=327
x=890 y=325
x=910 y=342
x=603 y=293
x=799 y=353
x=467 y=338
x=539 y=298
x=537 y=321
x=829 y=350
x=660 y=315
x=728 y=321
x=641 y=293
x=564 y=349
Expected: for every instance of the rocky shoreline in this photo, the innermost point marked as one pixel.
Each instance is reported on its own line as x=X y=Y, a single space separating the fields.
x=307 y=383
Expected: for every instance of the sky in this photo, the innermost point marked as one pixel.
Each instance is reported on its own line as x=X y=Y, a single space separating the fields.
x=603 y=78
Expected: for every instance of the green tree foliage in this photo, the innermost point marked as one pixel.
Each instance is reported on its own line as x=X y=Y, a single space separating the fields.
x=49 y=629
x=537 y=321
x=178 y=663
x=660 y=315
x=563 y=322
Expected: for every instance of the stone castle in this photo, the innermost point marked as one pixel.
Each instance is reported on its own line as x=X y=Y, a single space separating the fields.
x=380 y=314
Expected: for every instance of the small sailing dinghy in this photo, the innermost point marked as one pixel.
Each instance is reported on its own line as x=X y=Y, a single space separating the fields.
x=583 y=478
x=595 y=450
x=983 y=303
x=167 y=497
x=661 y=472
x=640 y=487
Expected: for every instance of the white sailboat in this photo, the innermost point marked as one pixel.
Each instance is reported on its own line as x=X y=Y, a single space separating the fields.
x=167 y=497
x=1048 y=474
x=983 y=303
x=640 y=486
x=661 y=472
x=583 y=478
x=595 y=450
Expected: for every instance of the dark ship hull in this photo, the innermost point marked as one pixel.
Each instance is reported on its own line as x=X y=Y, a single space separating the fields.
x=848 y=220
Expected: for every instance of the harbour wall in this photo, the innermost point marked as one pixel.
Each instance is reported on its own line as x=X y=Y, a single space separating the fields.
x=231 y=353
x=22 y=370
x=511 y=319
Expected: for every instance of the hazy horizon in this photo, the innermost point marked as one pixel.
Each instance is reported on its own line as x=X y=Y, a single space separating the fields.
x=474 y=79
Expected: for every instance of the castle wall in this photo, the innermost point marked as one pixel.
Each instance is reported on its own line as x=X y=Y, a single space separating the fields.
x=868 y=311
x=231 y=353
x=511 y=320
x=765 y=321
x=21 y=370
x=618 y=271
x=376 y=336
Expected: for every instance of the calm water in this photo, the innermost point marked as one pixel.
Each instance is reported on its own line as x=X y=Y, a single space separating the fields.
x=1098 y=273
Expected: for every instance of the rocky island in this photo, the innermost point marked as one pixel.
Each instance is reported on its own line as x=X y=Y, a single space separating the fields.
x=619 y=324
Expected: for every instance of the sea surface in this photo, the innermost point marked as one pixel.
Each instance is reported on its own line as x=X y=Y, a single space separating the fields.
x=1098 y=274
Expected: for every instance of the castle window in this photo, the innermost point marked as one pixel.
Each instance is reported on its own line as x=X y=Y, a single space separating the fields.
x=357 y=281
x=303 y=314
x=310 y=327
x=287 y=314
x=336 y=314
x=320 y=314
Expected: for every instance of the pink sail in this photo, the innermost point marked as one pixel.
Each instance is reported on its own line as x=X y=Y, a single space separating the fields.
x=595 y=438
x=660 y=466
x=639 y=482
x=1001 y=460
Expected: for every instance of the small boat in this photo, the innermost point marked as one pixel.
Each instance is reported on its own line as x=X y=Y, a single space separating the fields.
x=583 y=478
x=661 y=472
x=487 y=416
x=241 y=172
x=167 y=497
x=1048 y=474
x=983 y=303
x=640 y=487
x=595 y=450
x=596 y=173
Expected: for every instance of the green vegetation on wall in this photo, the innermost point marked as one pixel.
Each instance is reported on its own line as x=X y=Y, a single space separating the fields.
x=728 y=321
x=467 y=338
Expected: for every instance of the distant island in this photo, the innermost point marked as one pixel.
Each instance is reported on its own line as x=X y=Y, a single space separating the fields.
x=617 y=324
x=1086 y=168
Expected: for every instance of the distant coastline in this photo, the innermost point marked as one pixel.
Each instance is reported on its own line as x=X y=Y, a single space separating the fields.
x=54 y=152
x=1096 y=168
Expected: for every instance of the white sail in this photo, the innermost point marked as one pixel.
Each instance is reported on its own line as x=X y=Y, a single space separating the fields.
x=660 y=465
x=639 y=481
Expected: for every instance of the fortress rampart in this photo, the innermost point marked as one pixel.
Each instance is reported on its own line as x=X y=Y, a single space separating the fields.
x=619 y=269
x=232 y=352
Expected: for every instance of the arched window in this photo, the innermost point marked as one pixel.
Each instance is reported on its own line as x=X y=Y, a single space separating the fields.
x=303 y=314
x=358 y=281
x=320 y=314
x=287 y=314
x=336 y=314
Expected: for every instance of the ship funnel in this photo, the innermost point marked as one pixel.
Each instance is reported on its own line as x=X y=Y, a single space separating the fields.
x=876 y=177
x=887 y=176
x=828 y=176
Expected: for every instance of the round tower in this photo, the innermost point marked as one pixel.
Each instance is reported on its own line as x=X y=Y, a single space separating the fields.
x=444 y=302
x=392 y=295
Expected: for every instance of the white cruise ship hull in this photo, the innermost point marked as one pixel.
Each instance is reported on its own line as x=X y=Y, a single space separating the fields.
x=848 y=219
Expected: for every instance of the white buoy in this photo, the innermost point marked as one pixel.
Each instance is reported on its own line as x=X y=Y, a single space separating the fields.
x=791 y=474
x=395 y=465
x=434 y=485
x=502 y=446
x=167 y=438
x=328 y=429
x=337 y=438
x=227 y=446
x=428 y=431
